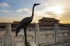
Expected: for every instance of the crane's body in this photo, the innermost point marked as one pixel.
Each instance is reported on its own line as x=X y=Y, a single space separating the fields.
x=24 y=23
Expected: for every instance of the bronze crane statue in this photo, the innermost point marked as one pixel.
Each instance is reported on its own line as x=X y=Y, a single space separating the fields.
x=24 y=23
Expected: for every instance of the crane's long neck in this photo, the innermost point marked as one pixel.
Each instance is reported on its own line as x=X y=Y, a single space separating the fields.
x=32 y=12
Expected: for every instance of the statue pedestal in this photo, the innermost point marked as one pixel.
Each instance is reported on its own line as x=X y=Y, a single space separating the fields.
x=31 y=44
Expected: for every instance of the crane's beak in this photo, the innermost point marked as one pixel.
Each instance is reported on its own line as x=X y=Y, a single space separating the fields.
x=37 y=4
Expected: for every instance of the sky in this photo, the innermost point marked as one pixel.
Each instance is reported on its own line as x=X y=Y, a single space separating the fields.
x=16 y=10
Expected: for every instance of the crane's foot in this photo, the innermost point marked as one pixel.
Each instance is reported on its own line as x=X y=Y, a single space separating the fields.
x=27 y=44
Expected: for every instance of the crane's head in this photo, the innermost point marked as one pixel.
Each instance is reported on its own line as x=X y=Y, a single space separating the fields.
x=37 y=4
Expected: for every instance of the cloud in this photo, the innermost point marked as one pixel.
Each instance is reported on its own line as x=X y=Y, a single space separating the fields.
x=4 y=11
x=3 y=4
x=23 y=10
x=41 y=14
x=65 y=17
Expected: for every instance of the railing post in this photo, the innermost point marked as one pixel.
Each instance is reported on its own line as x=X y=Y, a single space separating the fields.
x=7 y=39
x=56 y=33
x=37 y=34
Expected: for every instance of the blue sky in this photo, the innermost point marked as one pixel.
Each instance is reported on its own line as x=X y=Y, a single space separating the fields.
x=15 y=10
x=9 y=8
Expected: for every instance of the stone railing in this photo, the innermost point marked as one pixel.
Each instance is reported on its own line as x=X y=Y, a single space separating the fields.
x=49 y=35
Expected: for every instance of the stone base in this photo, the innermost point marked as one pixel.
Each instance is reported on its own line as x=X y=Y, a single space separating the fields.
x=22 y=44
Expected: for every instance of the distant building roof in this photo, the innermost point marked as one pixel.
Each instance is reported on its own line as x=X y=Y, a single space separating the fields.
x=48 y=19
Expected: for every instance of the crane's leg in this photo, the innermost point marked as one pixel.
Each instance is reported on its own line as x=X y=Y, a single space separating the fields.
x=25 y=34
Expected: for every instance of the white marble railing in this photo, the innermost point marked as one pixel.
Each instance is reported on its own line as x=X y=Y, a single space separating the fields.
x=38 y=35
